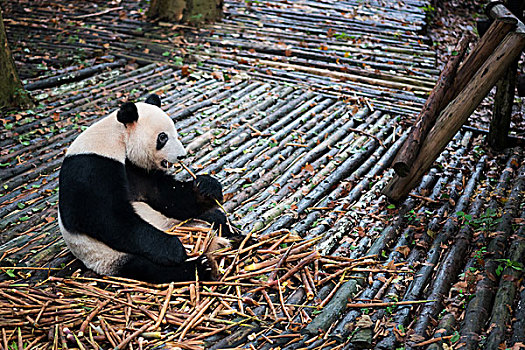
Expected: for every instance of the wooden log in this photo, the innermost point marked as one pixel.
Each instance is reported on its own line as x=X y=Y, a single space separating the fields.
x=498 y=11
x=445 y=329
x=333 y=309
x=457 y=112
x=11 y=90
x=434 y=104
x=506 y=294
x=518 y=326
x=363 y=339
x=411 y=85
x=345 y=326
x=514 y=141
x=503 y=24
x=422 y=279
x=480 y=53
x=448 y=268
x=478 y=309
x=69 y=77
x=192 y=11
x=501 y=113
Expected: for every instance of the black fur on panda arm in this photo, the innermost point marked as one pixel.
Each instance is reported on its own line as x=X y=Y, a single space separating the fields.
x=179 y=200
x=208 y=190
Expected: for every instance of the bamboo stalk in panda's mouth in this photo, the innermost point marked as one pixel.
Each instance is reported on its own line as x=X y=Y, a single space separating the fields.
x=188 y=170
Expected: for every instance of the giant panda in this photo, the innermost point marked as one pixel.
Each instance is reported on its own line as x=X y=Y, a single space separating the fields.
x=116 y=197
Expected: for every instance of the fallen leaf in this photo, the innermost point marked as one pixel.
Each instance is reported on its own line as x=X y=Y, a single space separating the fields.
x=365 y=322
x=405 y=250
x=309 y=168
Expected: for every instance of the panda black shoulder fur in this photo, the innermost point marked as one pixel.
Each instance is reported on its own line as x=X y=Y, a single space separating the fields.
x=116 y=199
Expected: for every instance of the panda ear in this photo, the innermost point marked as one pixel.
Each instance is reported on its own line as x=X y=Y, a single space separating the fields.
x=153 y=99
x=128 y=113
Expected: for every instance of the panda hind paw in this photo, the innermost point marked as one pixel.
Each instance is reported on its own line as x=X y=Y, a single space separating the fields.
x=206 y=268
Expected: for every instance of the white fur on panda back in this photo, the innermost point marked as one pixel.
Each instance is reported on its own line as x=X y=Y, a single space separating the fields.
x=105 y=137
x=94 y=254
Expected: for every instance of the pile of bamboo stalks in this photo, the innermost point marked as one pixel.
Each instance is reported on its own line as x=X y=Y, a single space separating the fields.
x=275 y=281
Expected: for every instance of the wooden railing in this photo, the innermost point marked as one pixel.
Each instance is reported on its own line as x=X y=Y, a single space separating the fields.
x=458 y=92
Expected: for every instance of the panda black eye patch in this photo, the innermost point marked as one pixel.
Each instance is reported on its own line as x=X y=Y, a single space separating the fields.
x=161 y=140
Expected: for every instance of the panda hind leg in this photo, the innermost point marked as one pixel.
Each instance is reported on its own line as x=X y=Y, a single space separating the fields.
x=139 y=268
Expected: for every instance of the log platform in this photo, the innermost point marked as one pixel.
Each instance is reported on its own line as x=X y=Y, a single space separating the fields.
x=298 y=108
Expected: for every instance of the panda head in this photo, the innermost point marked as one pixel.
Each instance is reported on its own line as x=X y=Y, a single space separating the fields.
x=150 y=137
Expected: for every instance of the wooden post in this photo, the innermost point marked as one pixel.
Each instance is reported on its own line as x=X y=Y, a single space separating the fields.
x=481 y=52
x=502 y=111
x=505 y=90
x=457 y=112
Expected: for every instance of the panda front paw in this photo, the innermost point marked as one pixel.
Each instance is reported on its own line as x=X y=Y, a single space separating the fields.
x=208 y=189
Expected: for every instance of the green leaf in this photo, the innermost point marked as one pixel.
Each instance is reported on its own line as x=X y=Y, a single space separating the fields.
x=166 y=53
x=391 y=206
x=10 y=273
x=21 y=205
x=455 y=337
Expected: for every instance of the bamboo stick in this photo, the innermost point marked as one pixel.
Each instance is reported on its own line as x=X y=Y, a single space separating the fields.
x=433 y=340
x=394 y=303
x=164 y=308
